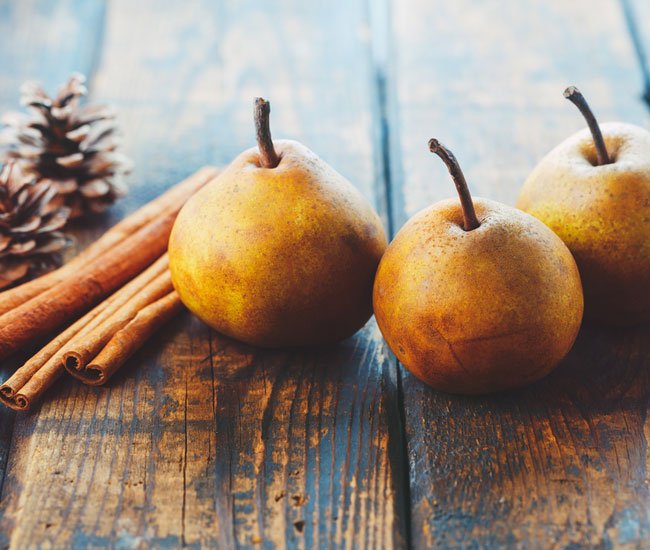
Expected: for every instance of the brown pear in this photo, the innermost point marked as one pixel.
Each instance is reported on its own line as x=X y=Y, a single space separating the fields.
x=593 y=190
x=475 y=297
x=280 y=249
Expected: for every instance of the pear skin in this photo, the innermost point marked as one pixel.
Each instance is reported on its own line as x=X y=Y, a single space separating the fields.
x=282 y=256
x=478 y=311
x=602 y=213
x=474 y=296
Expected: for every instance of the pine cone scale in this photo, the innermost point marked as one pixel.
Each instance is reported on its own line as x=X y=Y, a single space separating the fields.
x=55 y=221
x=31 y=225
x=30 y=242
x=55 y=243
x=68 y=143
x=12 y=272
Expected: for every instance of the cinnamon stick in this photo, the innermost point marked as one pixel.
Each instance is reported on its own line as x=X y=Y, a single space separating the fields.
x=171 y=200
x=33 y=379
x=74 y=296
x=84 y=349
x=89 y=284
x=126 y=341
x=10 y=391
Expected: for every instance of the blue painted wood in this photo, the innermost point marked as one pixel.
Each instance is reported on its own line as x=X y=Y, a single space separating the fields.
x=564 y=462
x=46 y=41
x=637 y=18
x=202 y=441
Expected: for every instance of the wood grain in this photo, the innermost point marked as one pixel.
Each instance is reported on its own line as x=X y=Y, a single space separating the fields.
x=46 y=41
x=564 y=462
x=203 y=441
x=637 y=18
x=32 y=48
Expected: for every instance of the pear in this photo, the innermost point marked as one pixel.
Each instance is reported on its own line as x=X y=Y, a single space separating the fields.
x=280 y=249
x=477 y=297
x=593 y=190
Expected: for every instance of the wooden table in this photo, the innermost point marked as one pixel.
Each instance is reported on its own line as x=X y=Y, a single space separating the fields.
x=203 y=441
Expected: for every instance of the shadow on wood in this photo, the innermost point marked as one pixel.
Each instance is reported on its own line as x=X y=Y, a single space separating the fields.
x=563 y=460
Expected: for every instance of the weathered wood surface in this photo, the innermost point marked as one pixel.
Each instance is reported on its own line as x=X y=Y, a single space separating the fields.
x=637 y=16
x=563 y=462
x=203 y=441
x=31 y=45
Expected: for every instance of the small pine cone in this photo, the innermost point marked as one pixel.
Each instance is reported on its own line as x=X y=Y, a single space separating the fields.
x=71 y=145
x=30 y=220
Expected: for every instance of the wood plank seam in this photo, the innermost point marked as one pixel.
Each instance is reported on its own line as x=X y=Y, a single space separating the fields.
x=639 y=47
x=382 y=46
x=4 y=455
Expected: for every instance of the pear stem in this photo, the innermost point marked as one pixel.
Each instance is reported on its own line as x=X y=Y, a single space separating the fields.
x=574 y=96
x=268 y=157
x=470 y=221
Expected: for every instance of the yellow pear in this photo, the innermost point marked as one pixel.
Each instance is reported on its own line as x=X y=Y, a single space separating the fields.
x=593 y=190
x=477 y=297
x=280 y=249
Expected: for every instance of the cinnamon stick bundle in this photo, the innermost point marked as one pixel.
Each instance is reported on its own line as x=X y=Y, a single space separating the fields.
x=95 y=279
x=38 y=374
x=43 y=369
x=85 y=349
x=170 y=201
x=126 y=341
x=72 y=297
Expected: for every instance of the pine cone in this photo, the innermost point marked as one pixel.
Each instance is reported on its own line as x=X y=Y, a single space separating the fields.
x=30 y=219
x=72 y=145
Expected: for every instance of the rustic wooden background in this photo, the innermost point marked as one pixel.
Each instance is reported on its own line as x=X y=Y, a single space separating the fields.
x=202 y=441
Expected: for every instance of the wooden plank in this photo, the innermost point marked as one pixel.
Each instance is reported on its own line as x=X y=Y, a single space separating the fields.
x=31 y=48
x=46 y=41
x=564 y=462
x=203 y=441
x=637 y=18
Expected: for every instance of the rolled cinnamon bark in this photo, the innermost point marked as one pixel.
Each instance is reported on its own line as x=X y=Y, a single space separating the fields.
x=171 y=200
x=12 y=391
x=81 y=352
x=77 y=294
x=126 y=341
x=38 y=374
x=87 y=285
